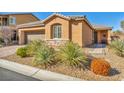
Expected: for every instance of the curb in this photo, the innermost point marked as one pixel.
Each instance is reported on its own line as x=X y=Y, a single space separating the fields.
x=35 y=72
x=49 y=76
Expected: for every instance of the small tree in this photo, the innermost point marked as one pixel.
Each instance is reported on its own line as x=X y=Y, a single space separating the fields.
x=122 y=25
x=7 y=34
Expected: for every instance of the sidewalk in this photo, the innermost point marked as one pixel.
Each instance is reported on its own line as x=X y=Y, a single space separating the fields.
x=8 y=50
x=35 y=72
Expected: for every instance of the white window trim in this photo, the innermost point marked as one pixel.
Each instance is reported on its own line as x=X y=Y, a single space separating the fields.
x=12 y=22
x=58 y=28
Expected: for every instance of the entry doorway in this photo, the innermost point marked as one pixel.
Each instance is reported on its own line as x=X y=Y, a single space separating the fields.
x=14 y=37
x=95 y=38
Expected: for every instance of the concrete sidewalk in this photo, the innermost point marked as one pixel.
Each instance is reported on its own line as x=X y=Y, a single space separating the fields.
x=35 y=72
x=8 y=50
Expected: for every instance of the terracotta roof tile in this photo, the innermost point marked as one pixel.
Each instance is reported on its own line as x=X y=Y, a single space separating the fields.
x=101 y=27
x=31 y=24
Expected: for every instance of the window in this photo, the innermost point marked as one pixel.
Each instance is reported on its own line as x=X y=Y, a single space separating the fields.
x=56 y=29
x=5 y=21
x=12 y=20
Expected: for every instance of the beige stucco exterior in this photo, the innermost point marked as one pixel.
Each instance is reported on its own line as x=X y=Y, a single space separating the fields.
x=87 y=34
x=22 y=32
x=57 y=20
x=20 y=18
x=78 y=31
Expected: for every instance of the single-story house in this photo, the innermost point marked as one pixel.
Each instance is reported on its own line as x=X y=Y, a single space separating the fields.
x=58 y=28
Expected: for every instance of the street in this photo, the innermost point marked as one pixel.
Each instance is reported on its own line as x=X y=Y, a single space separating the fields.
x=7 y=75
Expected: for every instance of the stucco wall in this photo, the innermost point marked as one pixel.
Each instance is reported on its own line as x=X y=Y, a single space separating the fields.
x=76 y=28
x=21 y=33
x=76 y=31
x=21 y=19
x=87 y=34
x=109 y=36
x=57 y=20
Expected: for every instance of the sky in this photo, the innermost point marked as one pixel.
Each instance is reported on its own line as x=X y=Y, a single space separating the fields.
x=111 y=19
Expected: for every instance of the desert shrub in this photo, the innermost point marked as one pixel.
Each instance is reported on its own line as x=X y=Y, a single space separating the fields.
x=118 y=47
x=100 y=67
x=33 y=46
x=44 y=56
x=22 y=52
x=72 y=54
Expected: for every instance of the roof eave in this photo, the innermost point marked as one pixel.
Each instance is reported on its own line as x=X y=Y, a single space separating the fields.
x=54 y=14
x=103 y=28
x=29 y=27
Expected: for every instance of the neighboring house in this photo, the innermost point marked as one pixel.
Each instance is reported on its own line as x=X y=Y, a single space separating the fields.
x=58 y=28
x=10 y=21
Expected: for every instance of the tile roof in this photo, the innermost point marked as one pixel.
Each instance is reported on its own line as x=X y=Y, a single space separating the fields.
x=31 y=24
x=78 y=17
x=41 y=23
x=101 y=27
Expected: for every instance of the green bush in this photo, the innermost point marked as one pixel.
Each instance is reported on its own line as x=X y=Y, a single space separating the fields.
x=44 y=56
x=118 y=47
x=72 y=54
x=34 y=46
x=22 y=52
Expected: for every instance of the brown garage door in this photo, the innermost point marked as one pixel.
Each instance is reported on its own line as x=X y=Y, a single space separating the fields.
x=34 y=35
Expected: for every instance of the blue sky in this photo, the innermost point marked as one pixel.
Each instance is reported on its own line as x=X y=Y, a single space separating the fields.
x=104 y=18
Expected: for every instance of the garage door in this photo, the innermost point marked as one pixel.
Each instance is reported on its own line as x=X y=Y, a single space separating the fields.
x=34 y=35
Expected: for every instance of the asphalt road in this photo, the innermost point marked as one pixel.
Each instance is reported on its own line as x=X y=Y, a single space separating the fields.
x=7 y=75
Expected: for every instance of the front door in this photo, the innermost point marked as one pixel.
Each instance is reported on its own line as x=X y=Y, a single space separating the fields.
x=95 y=38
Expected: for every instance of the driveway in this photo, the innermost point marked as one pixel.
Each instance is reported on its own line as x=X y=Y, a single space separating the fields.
x=7 y=75
x=8 y=50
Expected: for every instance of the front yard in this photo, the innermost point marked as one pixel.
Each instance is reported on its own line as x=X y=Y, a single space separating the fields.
x=117 y=72
x=70 y=60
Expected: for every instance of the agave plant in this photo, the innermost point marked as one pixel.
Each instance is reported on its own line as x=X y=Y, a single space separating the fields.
x=34 y=46
x=72 y=54
x=118 y=46
x=44 y=56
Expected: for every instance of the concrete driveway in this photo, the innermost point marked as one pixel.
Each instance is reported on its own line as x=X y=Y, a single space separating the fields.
x=8 y=50
x=7 y=75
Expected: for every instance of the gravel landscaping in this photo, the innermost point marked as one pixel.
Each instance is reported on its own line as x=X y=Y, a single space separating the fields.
x=117 y=72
